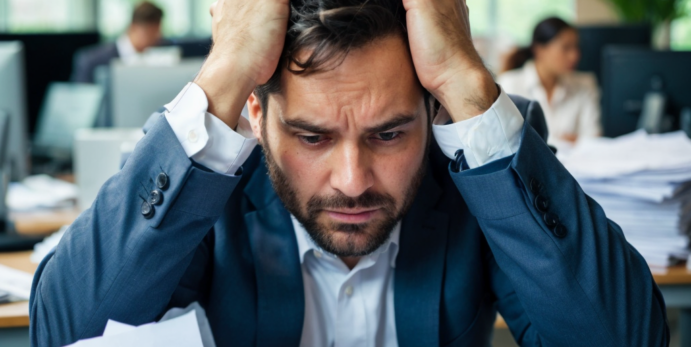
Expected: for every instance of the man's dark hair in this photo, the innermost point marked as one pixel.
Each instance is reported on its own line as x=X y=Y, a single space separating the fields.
x=147 y=13
x=330 y=29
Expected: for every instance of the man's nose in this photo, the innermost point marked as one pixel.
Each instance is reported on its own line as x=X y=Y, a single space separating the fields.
x=351 y=172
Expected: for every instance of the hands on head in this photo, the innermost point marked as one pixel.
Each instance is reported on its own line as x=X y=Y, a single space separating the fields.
x=249 y=37
x=248 y=40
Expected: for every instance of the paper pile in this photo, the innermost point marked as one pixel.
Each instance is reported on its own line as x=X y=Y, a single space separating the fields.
x=643 y=182
x=40 y=192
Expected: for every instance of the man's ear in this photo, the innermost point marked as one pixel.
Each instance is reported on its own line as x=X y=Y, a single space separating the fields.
x=254 y=108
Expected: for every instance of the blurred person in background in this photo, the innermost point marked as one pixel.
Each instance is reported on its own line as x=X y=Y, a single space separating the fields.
x=545 y=71
x=144 y=32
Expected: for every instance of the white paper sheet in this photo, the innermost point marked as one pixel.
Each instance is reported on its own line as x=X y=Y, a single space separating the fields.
x=182 y=331
x=17 y=283
x=113 y=328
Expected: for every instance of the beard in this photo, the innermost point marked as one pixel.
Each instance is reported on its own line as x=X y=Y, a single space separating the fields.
x=361 y=239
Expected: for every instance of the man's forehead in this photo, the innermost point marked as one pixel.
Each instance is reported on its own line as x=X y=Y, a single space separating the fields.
x=374 y=82
x=344 y=111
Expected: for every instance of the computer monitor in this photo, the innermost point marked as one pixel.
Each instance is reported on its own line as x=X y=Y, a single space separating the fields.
x=9 y=239
x=193 y=48
x=13 y=101
x=68 y=107
x=630 y=73
x=139 y=90
x=593 y=40
x=48 y=58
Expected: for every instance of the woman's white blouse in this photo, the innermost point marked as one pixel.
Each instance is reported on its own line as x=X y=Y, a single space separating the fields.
x=575 y=107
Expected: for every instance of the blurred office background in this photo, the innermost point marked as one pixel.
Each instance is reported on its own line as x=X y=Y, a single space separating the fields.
x=60 y=140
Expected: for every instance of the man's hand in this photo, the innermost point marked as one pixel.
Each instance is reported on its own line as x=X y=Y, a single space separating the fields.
x=445 y=59
x=248 y=40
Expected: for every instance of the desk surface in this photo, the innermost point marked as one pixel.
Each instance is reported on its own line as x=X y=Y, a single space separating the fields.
x=17 y=314
x=676 y=275
x=42 y=222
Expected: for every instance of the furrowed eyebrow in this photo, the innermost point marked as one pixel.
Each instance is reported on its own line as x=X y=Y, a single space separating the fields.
x=394 y=123
x=301 y=124
x=304 y=125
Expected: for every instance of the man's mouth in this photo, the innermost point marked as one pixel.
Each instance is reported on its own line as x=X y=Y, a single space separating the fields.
x=352 y=216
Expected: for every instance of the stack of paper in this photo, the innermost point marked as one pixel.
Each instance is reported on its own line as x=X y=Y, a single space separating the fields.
x=40 y=192
x=643 y=182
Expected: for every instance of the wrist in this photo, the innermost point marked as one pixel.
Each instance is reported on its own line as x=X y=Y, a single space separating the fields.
x=227 y=88
x=469 y=95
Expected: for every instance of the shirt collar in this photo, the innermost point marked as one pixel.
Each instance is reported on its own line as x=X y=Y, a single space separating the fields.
x=306 y=244
x=126 y=50
x=531 y=78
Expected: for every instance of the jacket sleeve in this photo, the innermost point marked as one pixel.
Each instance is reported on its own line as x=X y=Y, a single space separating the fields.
x=563 y=274
x=115 y=263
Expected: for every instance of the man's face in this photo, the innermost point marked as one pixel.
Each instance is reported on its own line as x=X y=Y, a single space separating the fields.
x=144 y=36
x=346 y=148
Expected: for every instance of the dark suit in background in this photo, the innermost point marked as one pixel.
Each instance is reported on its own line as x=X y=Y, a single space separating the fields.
x=88 y=59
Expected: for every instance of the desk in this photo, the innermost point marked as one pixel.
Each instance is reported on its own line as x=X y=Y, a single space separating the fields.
x=42 y=222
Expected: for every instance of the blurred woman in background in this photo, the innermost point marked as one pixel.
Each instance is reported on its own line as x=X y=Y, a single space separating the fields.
x=545 y=72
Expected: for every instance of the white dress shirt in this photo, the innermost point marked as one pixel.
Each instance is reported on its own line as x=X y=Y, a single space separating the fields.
x=346 y=307
x=343 y=307
x=128 y=54
x=575 y=106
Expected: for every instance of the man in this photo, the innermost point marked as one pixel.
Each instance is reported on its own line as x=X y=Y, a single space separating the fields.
x=144 y=32
x=352 y=228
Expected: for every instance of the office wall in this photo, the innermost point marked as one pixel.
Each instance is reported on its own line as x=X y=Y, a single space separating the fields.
x=594 y=12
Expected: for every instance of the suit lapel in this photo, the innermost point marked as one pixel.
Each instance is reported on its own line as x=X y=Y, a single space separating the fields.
x=419 y=270
x=280 y=293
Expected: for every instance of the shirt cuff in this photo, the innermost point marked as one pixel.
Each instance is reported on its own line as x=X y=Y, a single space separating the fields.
x=204 y=137
x=491 y=136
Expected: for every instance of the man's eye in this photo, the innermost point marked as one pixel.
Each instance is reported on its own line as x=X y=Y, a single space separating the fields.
x=312 y=139
x=390 y=136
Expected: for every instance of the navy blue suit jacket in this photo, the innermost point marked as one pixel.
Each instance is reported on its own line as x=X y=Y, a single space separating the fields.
x=473 y=243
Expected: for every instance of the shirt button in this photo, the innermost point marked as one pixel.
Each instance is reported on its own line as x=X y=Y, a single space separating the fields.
x=192 y=136
x=318 y=254
x=349 y=290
